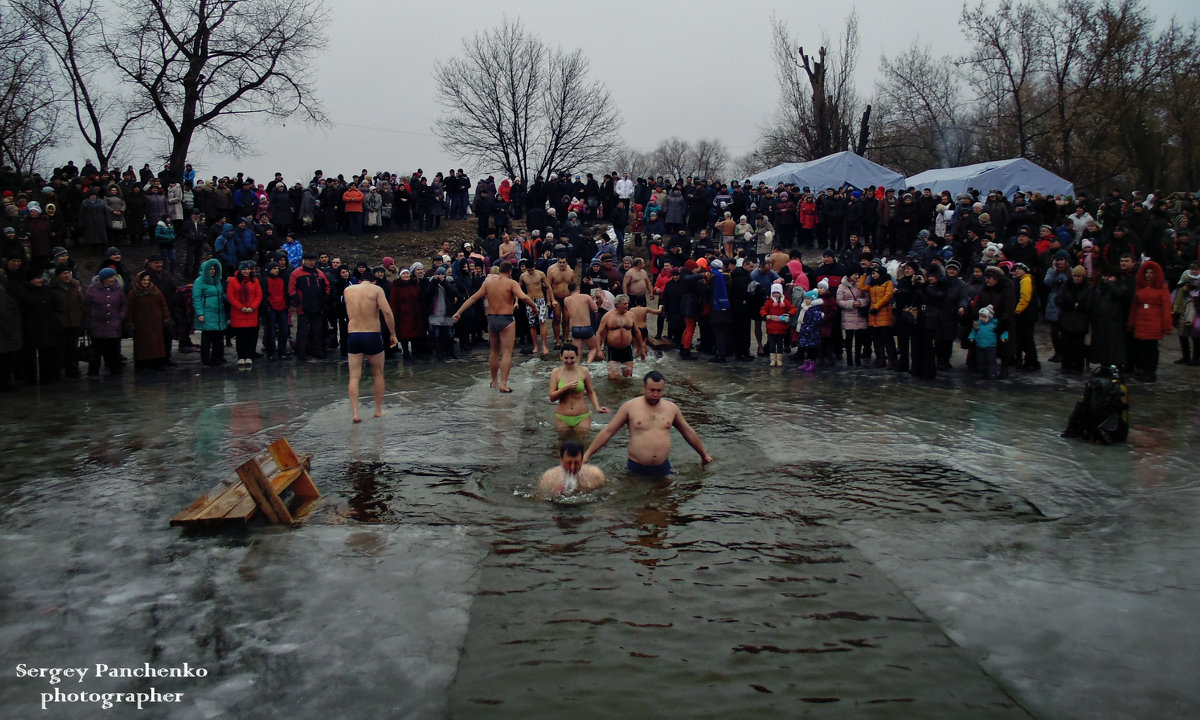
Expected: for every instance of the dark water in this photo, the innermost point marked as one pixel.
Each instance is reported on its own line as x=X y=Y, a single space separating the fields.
x=864 y=546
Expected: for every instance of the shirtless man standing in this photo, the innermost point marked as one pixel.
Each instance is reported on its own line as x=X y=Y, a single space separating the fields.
x=560 y=274
x=650 y=419
x=571 y=475
x=618 y=331
x=636 y=284
x=502 y=293
x=578 y=309
x=535 y=285
x=364 y=303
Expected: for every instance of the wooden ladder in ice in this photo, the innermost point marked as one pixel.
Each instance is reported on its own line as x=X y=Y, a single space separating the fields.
x=256 y=485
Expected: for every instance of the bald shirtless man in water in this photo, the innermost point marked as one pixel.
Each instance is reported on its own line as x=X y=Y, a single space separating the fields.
x=364 y=303
x=618 y=331
x=571 y=475
x=650 y=419
x=502 y=293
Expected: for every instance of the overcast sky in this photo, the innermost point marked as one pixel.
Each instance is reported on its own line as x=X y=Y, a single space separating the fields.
x=375 y=78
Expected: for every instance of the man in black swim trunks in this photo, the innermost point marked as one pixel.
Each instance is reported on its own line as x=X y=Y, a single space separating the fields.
x=650 y=419
x=618 y=332
x=579 y=308
x=501 y=293
x=365 y=303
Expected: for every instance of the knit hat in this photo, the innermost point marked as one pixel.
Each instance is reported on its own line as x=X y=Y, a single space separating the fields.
x=59 y=250
x=106 y=273
x=440 y=271
x=35 y=207
x=702 y=263
x=824 y=284
x=810 y=295
x=1062 y=255
x=246 y=265
x=716 y=265
x=995 y=272
x=954 y=264
x=405 y=271
x=776 y=288
x=9 y=229
x=416 y=266
x=691 y=265
x=986 y=313
x=1078 y=271
x=1087 y=245
x=114 y=250
x=388 y=262
x=924 y=234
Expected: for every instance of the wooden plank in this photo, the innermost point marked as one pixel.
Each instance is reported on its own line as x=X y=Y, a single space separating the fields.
x=264 y=494
x=281 y=451
x=660 y=344
x=305 y=488
x=199 y=508
x=245 y=509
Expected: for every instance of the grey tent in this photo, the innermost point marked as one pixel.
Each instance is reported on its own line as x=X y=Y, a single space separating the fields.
x=837 y=170
x=1007 y=176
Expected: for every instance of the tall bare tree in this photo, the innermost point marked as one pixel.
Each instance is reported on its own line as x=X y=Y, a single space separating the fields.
x=203 y=64
x=72 y=31
x=511 y=102
x=1001 y=67
x=29 y=102
x=920 y=113
x=819 y=112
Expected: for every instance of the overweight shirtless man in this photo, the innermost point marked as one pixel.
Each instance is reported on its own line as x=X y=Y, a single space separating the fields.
x=502 y=293
x=535 y=285
x=560 y=275
x=364 y=304
x=650 y=419
x=578 y=309
x=618 y=330
x=636 y=284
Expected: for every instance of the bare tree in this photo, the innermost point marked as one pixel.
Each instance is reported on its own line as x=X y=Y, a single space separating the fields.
x=743 y=166
x=29 y=102
x=511 y=102
x=635 y=162
x=710 y=157
x=674 y=158
x=819 y=112
x=72 y=32
x=201 y=64
x=920 y=113
x=1001 y=67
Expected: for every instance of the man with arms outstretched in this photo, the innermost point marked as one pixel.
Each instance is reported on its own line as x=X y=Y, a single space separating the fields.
x=501 y=293
x=365 y=302
x=650 y=419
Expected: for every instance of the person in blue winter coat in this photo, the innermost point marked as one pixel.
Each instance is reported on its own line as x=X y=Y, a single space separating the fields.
x=212 y=313
x=987 y=336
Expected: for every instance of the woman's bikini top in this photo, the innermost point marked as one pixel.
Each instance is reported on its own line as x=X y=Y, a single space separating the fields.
x=578 y=387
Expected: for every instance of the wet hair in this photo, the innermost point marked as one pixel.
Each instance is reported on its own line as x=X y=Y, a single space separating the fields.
x=567 y=348
x=653 y=376
x=571 y=448
x=505 y=267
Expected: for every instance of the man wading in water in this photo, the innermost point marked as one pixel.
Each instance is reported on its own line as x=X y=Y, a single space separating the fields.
x=364 y=303
x=502 y=293
x=650 y=419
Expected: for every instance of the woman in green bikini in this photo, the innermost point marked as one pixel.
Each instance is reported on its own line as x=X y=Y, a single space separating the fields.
x=571 y=387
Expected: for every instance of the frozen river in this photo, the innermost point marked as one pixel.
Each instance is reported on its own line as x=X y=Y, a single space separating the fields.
x=864 y=546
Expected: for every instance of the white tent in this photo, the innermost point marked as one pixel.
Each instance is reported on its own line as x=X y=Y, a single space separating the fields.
x=837 y=170
x=1007 y=176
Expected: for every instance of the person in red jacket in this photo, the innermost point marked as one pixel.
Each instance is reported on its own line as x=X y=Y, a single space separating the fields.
x=808 y=221
x=274 y=312
x=244 y=293
x=776 y=311
x=1149 y=319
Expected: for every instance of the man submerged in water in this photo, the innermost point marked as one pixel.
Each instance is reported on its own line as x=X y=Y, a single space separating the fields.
x=572 y=475
x=650 y=419
x=365 y=302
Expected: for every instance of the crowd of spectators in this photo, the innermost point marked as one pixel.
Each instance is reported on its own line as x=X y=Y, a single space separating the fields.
x=904 y=278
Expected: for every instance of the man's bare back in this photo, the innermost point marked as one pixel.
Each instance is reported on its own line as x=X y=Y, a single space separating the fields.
x=364 y=302
x=579 y=309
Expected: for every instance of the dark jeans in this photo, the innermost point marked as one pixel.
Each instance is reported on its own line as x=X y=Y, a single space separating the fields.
x=212 y=346
x=275 y=331
x=109 y=350
x=246 y=339
x=310 y=335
